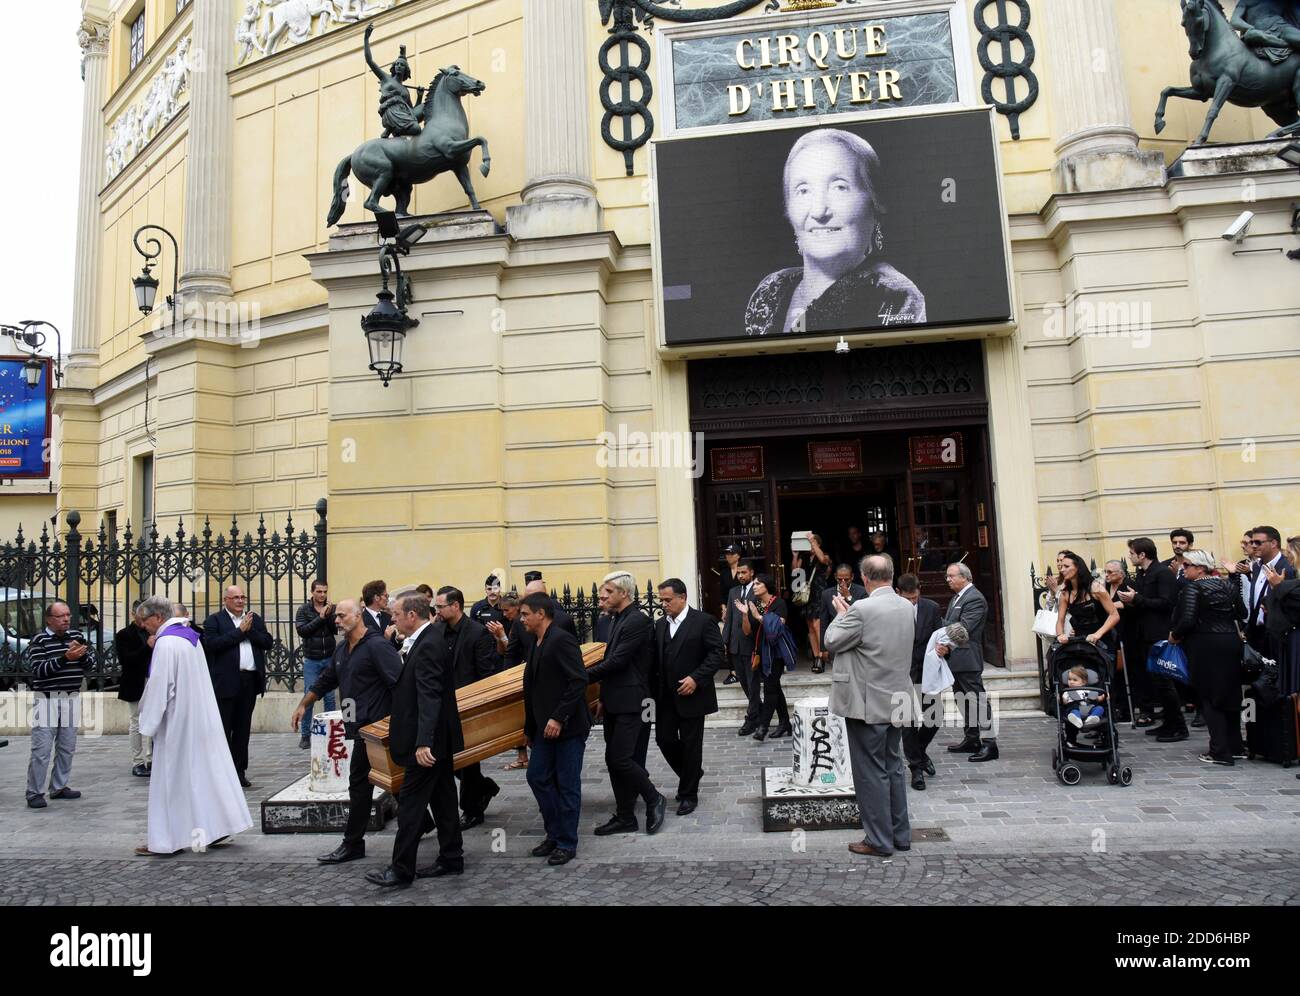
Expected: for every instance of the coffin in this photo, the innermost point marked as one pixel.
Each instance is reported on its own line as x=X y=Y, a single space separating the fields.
x=491 y=718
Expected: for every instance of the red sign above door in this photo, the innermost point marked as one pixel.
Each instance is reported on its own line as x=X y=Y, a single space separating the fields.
x=937 y=452
x=736 y=463
x=843 y=456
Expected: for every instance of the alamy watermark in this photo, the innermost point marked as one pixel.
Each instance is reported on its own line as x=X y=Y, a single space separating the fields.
x=658 y=450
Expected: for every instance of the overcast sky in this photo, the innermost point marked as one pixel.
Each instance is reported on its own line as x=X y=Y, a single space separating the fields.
x=40 y=121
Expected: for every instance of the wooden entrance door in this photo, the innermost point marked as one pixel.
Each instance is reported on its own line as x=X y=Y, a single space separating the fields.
x=743 y=515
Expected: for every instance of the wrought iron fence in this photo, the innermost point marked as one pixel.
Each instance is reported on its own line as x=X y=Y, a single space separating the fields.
x=101 y=577
x=585 y=609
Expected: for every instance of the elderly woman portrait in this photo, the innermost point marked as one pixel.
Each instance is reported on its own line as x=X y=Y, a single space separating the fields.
x=845 y=283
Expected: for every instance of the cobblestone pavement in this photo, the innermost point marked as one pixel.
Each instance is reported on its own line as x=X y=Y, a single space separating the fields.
x=1183 y=833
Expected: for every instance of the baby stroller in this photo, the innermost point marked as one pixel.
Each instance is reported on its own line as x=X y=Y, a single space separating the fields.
x=1068 y=750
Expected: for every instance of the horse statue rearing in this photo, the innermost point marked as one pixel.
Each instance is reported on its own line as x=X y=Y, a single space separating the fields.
x=395 y=165
x=1226 y=70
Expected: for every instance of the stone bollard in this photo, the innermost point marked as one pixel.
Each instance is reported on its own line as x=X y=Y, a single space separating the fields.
x=821 y=749
x=331 y=753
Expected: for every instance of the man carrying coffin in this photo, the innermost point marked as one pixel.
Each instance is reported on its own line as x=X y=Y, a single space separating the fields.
x=424 y=735
x=194 y=796
x=364 y=669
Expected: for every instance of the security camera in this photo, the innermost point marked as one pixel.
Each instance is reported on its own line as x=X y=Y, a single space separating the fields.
x=842 y=346
x=1236 y=232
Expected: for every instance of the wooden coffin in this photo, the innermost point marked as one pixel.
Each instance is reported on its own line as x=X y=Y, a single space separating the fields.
x=491 y=718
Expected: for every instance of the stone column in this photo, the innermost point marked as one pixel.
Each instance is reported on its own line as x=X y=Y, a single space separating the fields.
x=1097 y=148
x=84 y=340
x=205 y=245
x=559 y=195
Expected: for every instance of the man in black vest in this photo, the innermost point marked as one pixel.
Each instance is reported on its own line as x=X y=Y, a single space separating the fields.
x=740 y=647
x=424 y=735
x=688 y=652
x=364 y=668
x=624 y=676
x=473 y=658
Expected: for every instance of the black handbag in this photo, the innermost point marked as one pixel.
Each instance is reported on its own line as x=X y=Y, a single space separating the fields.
x=1252 y=663
x=1264 y=689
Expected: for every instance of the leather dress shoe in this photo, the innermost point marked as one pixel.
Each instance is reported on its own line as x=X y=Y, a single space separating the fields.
x=65 y=793
x=438 y=870
x=388 y=879
x=746 y=730
x=781 y=731
x=760 y=735
x=343 y=853
x=544 y=849
x=967 y=746
x=561 y=857
x=861 y=847
x=619 y=824
x=918 y=780
x=1172 y=738
x=141 y=771
x=987 y=752
x=244 y=781
x=929 y=767
x=654 y=815
x=493 y=790
x=686 y=807
x=37 y=802
x=470 y=820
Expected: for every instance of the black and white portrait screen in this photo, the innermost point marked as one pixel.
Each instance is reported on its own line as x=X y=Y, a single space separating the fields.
x=865 y=226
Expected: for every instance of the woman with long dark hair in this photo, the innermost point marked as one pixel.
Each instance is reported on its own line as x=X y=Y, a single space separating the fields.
x=774 y=651
x=1205 y=621
x=1083 y=600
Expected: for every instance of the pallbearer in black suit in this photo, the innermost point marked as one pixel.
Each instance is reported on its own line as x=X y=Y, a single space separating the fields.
x=473 y=657
x=688 y=652
x=364 y=669
x=556 y=723
x=423 y=736
x=625 y=701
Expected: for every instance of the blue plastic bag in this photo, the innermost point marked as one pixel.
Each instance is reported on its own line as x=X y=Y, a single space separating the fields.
x=1167 y=659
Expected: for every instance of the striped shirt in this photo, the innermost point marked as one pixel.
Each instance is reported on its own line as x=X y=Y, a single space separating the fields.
x=51 y=669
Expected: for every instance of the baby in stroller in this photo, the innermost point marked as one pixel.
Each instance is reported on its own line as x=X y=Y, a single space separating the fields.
x=1086 y=709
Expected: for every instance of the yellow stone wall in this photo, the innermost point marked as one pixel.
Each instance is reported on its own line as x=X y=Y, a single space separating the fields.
x=28 y=511
x=484 y=454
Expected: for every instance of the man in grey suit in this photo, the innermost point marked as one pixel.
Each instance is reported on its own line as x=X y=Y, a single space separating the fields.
x=740 y=648
x=969 y=608
x=872 y=692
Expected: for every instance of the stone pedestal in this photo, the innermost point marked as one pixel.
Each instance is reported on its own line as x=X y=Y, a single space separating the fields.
x=821 y=749
x=1222 y=160
x=331 y=753
x=318 y=802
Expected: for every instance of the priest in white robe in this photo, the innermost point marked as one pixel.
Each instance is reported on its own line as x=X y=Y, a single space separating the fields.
x=194 y=796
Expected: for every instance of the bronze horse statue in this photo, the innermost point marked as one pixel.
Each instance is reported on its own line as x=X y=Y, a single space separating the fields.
x=395 y=165
x=1226 y=70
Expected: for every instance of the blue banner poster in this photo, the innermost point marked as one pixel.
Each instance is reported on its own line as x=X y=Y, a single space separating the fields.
x=24 y=421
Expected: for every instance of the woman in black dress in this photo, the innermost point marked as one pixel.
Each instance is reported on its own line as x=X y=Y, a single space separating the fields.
x=1205 y=623
x=818 y=577
x=1084 y=601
